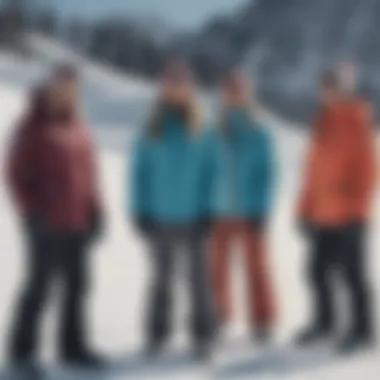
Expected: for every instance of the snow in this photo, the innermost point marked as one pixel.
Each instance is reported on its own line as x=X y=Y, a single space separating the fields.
x=114 y=107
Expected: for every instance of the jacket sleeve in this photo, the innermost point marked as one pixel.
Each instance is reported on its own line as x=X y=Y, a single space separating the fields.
x=139 y=180
x=207 y=175
x=306 y=193
x=269 y=170
x=22 y=171
x=96 y=198
x=304 y=202
x=364 y=164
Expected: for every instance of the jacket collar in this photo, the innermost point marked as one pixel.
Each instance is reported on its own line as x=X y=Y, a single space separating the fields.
x=237 y=121
x=173 y=123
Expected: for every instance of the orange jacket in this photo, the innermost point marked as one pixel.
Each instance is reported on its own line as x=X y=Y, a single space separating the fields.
x=340 y=171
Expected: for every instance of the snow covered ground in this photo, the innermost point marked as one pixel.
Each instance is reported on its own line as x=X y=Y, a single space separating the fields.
x=115 y=106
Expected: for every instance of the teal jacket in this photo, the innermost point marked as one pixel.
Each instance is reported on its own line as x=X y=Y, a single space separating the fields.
x=238 y=169
x=166 y=175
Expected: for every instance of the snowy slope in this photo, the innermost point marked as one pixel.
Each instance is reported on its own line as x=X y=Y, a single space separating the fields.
x=115 y=108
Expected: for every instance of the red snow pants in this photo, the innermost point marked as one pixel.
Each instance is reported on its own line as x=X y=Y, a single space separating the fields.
x=260 y=298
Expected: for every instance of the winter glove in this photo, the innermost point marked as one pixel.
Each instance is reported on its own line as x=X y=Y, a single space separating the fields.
x=306 y=228
x=96 y=227
x=259 y=224
x=34 y=226
x=204 y=227
x=145 y=226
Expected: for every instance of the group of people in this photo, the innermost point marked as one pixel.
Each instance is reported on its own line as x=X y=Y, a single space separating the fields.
x=195 y=190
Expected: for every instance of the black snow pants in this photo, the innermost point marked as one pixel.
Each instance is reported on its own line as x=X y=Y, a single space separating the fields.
x=340 y=251
x=52 y=256
x=166 y=241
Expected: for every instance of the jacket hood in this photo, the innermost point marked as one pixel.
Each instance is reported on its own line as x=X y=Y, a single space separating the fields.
x=338 y=119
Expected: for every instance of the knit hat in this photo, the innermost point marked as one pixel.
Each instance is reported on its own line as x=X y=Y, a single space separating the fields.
x=66 y=71
x=177 y=71
x=235 y=79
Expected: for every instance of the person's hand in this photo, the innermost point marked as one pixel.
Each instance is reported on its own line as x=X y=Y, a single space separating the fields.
x=258 y=224
x=305 y=228
x=97 y=226
x=145 y=226
x=204 y=226
x=34 y=225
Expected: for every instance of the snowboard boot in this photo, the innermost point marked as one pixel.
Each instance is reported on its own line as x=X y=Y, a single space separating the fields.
x=354 y=342
x=84 y=358
x=154 y=348
x=203 y=350
x=24 y=370
x=313 y=335
x=262 y=336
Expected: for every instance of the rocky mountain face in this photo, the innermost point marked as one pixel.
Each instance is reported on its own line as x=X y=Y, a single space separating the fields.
x=287 y=44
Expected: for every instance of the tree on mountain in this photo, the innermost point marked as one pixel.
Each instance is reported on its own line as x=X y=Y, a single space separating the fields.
x=47 y=22
x=15 y=20
x=77 y=33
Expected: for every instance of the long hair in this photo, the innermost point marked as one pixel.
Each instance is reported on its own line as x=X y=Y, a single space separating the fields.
x=67 y=72
x=190 y=114
x=251 y=106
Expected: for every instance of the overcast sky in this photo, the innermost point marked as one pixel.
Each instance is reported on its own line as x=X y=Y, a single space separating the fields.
x=186 y=13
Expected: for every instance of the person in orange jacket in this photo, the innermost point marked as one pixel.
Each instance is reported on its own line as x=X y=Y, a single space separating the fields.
x=335 y=204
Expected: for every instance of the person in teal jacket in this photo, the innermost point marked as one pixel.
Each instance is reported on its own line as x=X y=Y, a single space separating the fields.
x=166 y=206
x=239 y=179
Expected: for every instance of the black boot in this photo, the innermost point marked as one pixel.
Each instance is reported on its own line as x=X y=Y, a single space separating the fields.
x=203 y=350
x=262 y=336
x=154 y=348
x=353 y=342
x=24 y=370
x=313 y=335
x=83 y=358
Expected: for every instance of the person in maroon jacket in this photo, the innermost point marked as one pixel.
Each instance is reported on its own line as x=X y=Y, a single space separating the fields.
x=53 y=181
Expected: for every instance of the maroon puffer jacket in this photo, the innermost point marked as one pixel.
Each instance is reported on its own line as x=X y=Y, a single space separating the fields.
x=52 y=171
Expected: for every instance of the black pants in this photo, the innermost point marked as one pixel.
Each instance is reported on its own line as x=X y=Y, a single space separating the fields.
x=335 y=251
x=166 y=241
x=52 y=256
